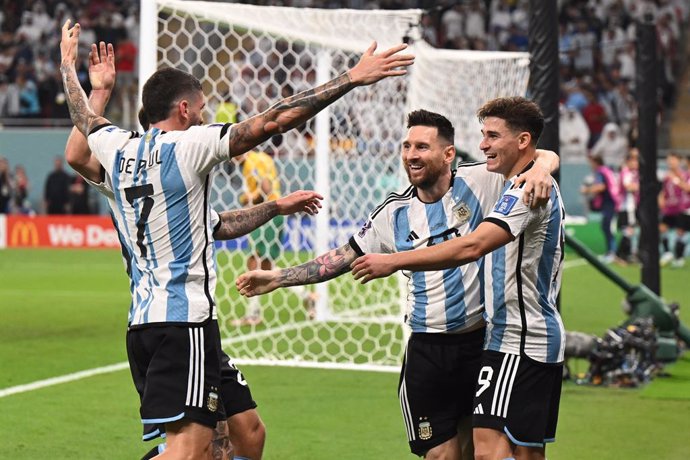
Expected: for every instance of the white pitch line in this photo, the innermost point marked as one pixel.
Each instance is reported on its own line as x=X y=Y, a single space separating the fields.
x=62 y=379
x=124 y=365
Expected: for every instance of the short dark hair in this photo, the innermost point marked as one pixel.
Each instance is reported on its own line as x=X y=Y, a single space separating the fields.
x=163 y=89
x=143 y=119
x=425 y=118
x=520 y=115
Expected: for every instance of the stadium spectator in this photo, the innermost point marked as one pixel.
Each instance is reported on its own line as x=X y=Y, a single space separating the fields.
x=20 y=192
x=525 y=337
x=612 y=146
x=56 y=192
x=261 y=182
x=5 y=186
x=172 y=224
x=673 y=201
x=603 y=195
x=594 y=114
x=445 y=317
x=627 y=215
x=573 y=134
x=79 y=202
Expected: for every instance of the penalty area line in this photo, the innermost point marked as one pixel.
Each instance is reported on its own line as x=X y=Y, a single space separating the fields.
x=62 y=379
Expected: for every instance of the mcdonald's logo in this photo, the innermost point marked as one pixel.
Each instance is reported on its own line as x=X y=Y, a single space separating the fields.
x=24 y=234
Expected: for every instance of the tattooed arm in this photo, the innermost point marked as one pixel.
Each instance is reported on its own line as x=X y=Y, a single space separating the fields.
x=295 y=110
x=325 y=267
x=83 y=117
x=234 y=224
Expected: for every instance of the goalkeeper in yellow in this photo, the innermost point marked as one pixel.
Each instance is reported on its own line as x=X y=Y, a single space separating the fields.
x=262 y=184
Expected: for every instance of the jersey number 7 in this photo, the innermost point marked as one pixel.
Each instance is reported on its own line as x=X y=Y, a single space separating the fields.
x=141 y=191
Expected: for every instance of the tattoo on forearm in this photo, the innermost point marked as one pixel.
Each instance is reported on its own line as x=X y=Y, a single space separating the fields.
x=243 y=221
x=288 y=113
x=221 y=448
x=79 y=110
x=325 y=267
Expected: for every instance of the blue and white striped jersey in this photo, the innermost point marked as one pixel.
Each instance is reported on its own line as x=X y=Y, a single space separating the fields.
x=523 y=278
x=160 y=207
x=444 y=300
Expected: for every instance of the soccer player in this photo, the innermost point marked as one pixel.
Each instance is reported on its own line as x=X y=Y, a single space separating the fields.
x=261 y=182
x=519 y=385
x=445 y=307
x=674 y=203
x=161 y=185
x=244 y=427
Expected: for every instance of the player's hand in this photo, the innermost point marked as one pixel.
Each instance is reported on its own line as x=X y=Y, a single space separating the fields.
x=69 y=43
x=299 y=201
x=102 y=66
x=257 y=282
x=538 y=185
x=372 y=266
x=374 y=67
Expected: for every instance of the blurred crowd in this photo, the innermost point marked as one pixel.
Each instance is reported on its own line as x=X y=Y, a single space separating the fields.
x=63 y=193
x=30 y=82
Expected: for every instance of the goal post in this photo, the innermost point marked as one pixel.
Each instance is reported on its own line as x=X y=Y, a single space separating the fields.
x=248 y=57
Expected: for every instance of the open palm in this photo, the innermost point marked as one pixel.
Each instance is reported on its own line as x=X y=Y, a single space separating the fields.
x=102 y=66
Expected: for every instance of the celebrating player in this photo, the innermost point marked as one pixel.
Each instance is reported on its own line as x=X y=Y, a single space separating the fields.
x=445 y=307
x=519 y=384
x=161 y=185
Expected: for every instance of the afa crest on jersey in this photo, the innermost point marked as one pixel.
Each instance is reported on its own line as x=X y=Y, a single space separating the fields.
x=462 y=212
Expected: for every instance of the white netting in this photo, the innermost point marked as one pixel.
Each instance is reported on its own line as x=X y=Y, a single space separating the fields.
x=248 y=57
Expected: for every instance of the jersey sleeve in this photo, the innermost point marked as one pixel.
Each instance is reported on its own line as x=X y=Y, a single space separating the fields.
x=206 y=146
x=375 y=236
x=215 y=221
x=103 y=187
x=105 y=140
x=511 y=213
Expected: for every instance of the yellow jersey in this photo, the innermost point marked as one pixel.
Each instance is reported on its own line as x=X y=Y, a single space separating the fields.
x=256 y=167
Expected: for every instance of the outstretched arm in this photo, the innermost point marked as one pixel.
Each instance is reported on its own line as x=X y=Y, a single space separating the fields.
x=325 y=267
x=538 y=178
x=449 y=254
x=295 y=110
x=234 y=224
x=102 y=78
x=83 y=116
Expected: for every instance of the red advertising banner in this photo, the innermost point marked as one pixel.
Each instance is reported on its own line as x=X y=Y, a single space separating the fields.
x=60 y=232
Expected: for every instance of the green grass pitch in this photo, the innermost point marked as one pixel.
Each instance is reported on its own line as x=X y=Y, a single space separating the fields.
x=65 y=311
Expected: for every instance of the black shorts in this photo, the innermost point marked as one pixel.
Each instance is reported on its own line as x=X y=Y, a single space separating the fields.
x=437 y=384
x=234 y=393
x=176 y=371
x=626 y=219
x=677 y=221
x=518 y=396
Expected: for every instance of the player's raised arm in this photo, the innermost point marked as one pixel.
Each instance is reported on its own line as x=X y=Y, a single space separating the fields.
x=323 y=268
x=234 y=224
x=102 y=78
x=295 y=110
x=83 y=116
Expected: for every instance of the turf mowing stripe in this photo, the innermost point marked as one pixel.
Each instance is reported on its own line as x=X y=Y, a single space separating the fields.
x=124 y=365
x=62 y=379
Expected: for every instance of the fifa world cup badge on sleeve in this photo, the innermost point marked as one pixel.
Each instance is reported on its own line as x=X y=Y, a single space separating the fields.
x=506 y=204
x=364 y=229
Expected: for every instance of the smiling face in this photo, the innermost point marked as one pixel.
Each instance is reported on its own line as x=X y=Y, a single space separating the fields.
x=503 y=148
x=426 y=157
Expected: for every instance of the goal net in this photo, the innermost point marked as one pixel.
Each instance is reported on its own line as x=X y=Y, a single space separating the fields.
x=247 y=58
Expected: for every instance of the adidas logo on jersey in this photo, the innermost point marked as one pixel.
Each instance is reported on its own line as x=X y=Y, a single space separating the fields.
x=412 y=236
x=479 y=409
